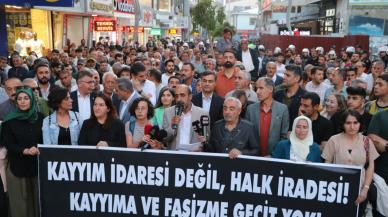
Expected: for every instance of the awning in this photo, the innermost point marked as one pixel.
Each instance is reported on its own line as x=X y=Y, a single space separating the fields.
x=31 y=3
x=269 y=3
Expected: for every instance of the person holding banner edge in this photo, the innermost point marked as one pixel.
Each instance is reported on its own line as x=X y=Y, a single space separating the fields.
x=22 y=154
x=350 y=147
x=233 y=135
x=103 y=128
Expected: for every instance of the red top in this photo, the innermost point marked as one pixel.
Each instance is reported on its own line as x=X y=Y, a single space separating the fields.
x=225 y=84
x=265 y=123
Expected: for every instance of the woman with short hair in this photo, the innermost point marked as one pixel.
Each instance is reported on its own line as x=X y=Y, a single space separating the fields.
x=350 y=147
x=63 y=126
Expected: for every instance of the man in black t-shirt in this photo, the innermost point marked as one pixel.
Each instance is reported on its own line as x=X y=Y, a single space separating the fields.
x=322 y=128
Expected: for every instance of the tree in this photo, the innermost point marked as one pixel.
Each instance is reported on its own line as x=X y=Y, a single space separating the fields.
x=207 y=16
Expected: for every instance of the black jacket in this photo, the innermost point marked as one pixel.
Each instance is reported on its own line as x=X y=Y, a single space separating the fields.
x=18 y=135
x=255 y=61
x=216 y=106
x=293 y=108
x=74 y=97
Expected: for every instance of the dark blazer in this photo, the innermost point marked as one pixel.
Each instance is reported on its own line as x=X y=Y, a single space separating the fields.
x=279 y=122
x=279 y=80
x=293 y=108
x=116 y=102
x=74 y=97
x=216 y=106
x=255 y=61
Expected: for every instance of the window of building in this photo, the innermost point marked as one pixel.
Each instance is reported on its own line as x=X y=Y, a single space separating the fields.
x=164 y=5
x=147 y=3
x=299 y=9
x=252 y=21
x=293 y=9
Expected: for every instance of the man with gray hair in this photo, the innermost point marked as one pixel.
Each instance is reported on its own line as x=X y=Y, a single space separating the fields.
x=109 y=82
x=242 y=82
x=269 y=117
x=127 y=95
x=376 y=70
x=232 y=134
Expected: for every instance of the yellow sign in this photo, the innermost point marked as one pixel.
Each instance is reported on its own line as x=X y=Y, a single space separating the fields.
x=172 y=31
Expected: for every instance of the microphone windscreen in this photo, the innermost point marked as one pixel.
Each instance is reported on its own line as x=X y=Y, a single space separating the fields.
x=147 y=129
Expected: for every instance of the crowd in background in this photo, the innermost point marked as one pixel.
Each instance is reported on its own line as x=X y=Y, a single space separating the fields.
x=231 y=97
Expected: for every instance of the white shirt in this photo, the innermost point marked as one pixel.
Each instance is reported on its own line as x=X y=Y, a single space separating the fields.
x=125 y=104
x=84 y=106
x=165 y=78
x=318 y=89
x=370 y=82
x=206 y=102
x=247 y=61
x=185 y=129
x=46 y=92
x=280 y=69
x=149 y=89
x=37 y=46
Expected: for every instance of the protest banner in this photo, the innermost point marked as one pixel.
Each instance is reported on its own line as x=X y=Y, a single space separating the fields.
x=85 y=181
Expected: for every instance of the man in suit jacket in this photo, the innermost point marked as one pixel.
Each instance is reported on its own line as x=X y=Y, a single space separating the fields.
x=269 y=117
x=183 y=134
x=208 y=99
x=249 y=58
x=271 y=73
x=83 y=98
x=127 y=95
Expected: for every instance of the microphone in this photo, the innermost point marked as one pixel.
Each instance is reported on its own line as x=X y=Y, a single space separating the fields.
x=197 y=127
x=178 y=111
x=205 y=123
x=147 y=131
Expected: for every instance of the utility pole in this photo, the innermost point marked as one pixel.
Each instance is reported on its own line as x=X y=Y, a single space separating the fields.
x=137 y=20
x=259 y=20
x=288 y=20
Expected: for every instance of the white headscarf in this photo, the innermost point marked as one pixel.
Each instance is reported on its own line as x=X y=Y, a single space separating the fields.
x=301 y=148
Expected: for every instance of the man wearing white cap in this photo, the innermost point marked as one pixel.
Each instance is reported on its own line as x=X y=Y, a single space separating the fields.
x=263 y=59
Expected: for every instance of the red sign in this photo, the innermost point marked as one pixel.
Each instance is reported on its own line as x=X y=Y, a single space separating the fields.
x=105 y=25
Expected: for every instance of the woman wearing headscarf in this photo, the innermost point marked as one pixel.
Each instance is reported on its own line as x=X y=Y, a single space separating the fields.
x=21 y=133
x=63 y=126
x=301 y=145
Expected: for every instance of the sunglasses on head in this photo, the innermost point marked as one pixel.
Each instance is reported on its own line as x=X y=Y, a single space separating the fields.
x=27 y=87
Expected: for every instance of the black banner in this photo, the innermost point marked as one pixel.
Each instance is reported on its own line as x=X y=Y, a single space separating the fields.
x=86 y=181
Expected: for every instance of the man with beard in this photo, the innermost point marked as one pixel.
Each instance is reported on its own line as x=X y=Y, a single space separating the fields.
x=233 y=135
x=317 y=85
x=9 y=105
x=290 y=96
x=271 y=73
x=43 y=76
x=180 y=133
x=187 y=77
x=169 y=67
x=18 y=70
x=226 y=77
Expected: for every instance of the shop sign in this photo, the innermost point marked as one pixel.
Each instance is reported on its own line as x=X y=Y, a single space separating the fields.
x=156 y=31
x=105 y=25
x=172 y=31
x=131 y=29
x=30 y=3
x=22 y=19
x=124 y=6
x=105 y=6
x=148 y=17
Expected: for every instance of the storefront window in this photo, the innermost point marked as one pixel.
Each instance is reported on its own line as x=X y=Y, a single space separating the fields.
x=164 y=5
x=18 y=27
x=146 y=3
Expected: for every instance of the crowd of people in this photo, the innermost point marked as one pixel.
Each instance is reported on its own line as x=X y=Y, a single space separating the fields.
x=233 y=98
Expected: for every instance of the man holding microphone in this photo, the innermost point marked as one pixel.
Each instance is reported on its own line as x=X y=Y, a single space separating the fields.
x=178 y=122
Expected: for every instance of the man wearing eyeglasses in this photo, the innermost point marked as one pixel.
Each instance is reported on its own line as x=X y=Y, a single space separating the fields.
x=9 y=105
x=83 y=98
